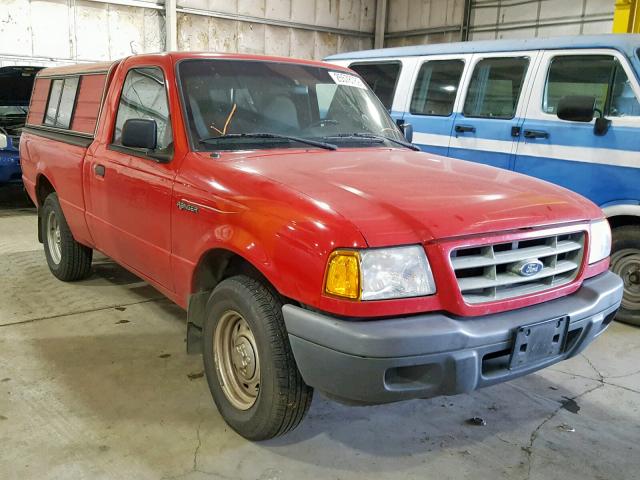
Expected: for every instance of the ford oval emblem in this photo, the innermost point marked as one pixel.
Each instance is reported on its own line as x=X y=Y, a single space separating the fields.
x=528 y=268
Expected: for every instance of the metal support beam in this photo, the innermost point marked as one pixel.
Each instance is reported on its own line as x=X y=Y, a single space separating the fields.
x=171 y=22
x=466 y=21
x=381 y=23
x=626 y=17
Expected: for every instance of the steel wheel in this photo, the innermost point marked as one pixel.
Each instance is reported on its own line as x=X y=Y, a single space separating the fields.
x=237 y=360
x=626 y=263
x=54 y=238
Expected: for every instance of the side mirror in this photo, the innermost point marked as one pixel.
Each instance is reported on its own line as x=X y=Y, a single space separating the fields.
x=3 y=140
x=577 y=108
x=581 y=108
x=406 y=129
x=140 y=133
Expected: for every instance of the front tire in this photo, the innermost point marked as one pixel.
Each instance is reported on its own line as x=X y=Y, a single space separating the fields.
x=625 y=261
x=248 y=362
x=68 y=260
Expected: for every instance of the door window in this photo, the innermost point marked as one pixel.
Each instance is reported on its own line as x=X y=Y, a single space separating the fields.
x=436 y=88
x=144 y=96
x=61 y=102
x=601 y=76
x=495 y=88
x=381 y=78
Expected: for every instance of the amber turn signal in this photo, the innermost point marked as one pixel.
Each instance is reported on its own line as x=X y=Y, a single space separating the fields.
x=343 y=274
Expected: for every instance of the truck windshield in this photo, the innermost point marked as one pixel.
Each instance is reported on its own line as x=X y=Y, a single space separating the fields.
x=244 y=104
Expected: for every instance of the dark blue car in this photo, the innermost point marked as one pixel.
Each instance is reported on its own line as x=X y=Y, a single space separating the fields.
x=15 y=91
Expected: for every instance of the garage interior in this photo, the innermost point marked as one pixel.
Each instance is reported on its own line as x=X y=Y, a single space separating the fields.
x=95 y=381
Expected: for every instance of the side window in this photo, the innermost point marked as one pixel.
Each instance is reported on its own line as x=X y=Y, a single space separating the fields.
x=599 y=75
x=381 y=78
x=61 y=102
x=144 y=96
x=495 y=88
x=436 y=87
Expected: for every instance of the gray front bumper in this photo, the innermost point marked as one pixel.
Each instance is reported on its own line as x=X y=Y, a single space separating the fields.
x=378 y=361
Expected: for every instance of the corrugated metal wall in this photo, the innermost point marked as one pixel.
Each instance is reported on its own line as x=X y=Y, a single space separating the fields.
x=412 y=22
x=48 y=32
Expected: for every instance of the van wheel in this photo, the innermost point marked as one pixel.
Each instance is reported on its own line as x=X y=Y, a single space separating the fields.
x=248 y=362
x=625 y=261
x=68 y=260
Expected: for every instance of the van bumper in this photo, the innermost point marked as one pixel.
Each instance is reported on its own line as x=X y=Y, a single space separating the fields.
x=422 y=356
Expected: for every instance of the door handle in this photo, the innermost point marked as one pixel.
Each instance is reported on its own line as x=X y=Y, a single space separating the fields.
x=99 y=170
x=465 y=128
x=536 y=134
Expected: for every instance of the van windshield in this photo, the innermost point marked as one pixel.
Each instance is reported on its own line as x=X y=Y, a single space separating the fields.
x=244 y=104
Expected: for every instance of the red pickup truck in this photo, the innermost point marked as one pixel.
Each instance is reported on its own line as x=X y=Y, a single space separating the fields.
x=311 y=245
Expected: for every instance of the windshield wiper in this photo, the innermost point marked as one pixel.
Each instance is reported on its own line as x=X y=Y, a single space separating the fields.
x=393 y=140
x=315 y=143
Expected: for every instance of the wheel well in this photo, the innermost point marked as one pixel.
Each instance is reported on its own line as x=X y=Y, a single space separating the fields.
x=214 y=266
x=218 y=264
x=43 y=189
x=623 y=220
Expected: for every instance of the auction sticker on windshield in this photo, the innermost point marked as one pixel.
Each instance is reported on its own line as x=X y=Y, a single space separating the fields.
x=347 y=80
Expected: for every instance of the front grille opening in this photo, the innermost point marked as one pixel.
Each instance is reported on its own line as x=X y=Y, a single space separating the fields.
x=493 y=272
x=414 y=377
x=572 y=338
x=495 y=362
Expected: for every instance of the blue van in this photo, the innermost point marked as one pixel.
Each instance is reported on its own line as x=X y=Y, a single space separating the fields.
x=561 y=109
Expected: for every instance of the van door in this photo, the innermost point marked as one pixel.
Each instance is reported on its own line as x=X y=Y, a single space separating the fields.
x=130 y=192
x=430 y=105
x=487 y=126
x=604 y=168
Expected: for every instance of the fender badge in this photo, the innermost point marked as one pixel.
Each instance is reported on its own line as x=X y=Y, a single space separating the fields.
x=182 y=205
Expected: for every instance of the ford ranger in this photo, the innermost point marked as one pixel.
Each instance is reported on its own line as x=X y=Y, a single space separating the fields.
x=312 y=246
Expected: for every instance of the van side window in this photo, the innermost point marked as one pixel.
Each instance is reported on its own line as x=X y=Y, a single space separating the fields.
x=436 y=87
x=599 y=75
x=144 y=96
x=381 y=78
x=61 y=102
x=495 y=88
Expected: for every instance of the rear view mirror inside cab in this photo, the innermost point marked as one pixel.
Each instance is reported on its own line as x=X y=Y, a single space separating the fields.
x=581 y=108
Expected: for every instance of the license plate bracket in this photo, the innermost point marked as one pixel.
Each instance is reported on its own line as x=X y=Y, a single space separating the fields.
x=537 y=341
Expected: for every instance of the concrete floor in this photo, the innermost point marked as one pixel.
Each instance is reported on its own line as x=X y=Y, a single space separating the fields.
x=95 y=383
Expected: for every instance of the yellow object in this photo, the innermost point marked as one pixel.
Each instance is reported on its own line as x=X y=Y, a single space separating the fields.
x=626 y=17
x=343 y=274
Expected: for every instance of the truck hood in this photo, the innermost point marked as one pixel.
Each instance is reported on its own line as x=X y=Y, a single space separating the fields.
x=395 y=196
x=16 y=84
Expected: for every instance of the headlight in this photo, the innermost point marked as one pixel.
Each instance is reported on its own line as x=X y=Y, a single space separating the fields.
x=600 y=241
x=380 y=273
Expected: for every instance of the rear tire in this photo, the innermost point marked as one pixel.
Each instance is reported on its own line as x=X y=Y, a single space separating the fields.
x=625 y=261
x=68 y=260
x=248 y=362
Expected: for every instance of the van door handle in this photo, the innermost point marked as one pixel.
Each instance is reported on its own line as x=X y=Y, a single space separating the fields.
x=465 y=128
x=536 y=134
x=99 y=170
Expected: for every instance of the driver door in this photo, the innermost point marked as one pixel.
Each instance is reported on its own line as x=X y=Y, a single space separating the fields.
x=131 y=191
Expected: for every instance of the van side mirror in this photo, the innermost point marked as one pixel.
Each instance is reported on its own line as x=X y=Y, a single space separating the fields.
x=3 y=140
x=577 y=108
x=581 y=108
x=140 y=133
x=406 y=129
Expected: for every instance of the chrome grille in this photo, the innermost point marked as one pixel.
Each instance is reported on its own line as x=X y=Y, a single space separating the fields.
x=485 y=273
